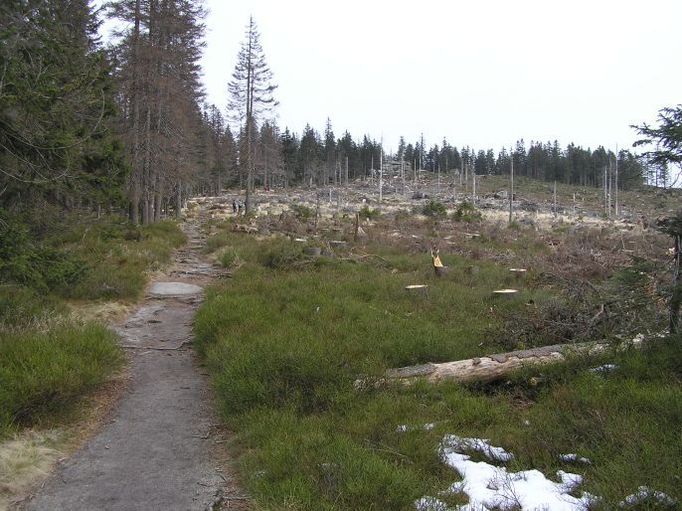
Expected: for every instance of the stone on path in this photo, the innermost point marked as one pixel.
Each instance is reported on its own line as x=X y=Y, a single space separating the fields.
x=174 y=289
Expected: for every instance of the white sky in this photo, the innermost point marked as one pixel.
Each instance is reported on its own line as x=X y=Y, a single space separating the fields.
x=479 y=72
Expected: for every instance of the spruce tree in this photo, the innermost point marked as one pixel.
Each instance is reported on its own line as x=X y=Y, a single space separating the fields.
x=158 y=71
x=667 y=137
x=251 y=92
x=56 y=104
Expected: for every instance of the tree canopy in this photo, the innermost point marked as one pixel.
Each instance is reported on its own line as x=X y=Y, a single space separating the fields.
x=56 y=106
x=666 y=137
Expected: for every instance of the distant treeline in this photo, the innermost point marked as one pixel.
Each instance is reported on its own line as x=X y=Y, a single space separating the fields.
x=126 y=126
x=312 y=158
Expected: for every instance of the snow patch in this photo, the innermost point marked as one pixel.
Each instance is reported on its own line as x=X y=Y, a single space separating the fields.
x=431 y=504
x=574 y=458
x=404 y=428
x=481 y=445
x=646 y=494
x=606 y=368
x=491 y=487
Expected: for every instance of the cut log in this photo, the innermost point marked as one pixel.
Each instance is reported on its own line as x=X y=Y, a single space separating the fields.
x=505 y=292
x=494 y=367
x=413 y=287
x=419 y=289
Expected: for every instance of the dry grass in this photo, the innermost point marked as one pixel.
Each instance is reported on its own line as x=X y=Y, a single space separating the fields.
x=25 y=460
x=103 y=312
x=28 y=457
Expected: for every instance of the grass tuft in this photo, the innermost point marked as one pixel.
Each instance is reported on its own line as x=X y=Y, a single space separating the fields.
x=41 y=372
x=285 y=342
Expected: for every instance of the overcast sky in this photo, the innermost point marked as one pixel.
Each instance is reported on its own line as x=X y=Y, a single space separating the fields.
x=479 y=72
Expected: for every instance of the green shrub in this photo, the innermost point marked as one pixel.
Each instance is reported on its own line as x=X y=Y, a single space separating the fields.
x=467 y=212
x=282 y=256
x=23 y=261
x=302 y=212
x=41 y=372
x=103 y=258
x=228 y=258
x=434 y=209
x=367 y=213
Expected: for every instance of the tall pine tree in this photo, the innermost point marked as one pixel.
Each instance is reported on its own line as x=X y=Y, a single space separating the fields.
x=251 y=92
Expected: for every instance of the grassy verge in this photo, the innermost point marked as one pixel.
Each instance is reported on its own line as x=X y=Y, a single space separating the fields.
x=117 y=255
x=288 y=335
x=41 y=372
x=48 y=360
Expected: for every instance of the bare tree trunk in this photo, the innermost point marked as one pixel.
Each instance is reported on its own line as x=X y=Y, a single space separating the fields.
x=495 y=367
x=135 y=203
x=249 y=174
x=511 y=190
x=135 y=176
x=346 y=172
x=146 y=209
x=157 y=204
x=178 y=200
x=676 y=299
x=147 y=168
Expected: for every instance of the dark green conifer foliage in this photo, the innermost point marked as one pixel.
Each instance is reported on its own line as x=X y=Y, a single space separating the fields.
x=56 y=105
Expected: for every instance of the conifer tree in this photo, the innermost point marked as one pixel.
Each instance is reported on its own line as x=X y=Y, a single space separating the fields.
x=667 y=137
x=291 y=158
x=251 y=92
x=158 y=53
x=330 y=153
x=56 y=104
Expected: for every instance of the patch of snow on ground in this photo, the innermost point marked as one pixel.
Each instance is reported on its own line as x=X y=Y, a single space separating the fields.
x=646 y=494
x=490 y=487
x=431 y=504
x=404 y=428
x=606 y=368
x=574 y=458
x=481 y=445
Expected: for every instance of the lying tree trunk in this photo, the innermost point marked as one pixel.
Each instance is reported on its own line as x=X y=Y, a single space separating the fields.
x=495 y=367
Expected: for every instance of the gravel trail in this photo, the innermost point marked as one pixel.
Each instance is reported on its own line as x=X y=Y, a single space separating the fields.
x=162 y=448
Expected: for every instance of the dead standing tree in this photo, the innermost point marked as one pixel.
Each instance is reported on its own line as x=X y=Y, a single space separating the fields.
x=251 y=97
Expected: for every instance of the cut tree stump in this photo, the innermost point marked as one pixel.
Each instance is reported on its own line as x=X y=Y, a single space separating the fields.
x=421 y=289
x=494 y=367
x=505 y=292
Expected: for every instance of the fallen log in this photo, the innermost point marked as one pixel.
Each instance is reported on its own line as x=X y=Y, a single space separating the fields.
x=494 y=367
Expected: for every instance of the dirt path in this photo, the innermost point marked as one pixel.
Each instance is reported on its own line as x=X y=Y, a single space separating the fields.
x=161 y=448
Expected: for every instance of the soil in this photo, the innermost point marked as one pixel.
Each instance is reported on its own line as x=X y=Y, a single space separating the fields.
x=163 y=447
